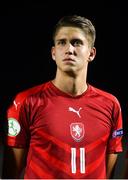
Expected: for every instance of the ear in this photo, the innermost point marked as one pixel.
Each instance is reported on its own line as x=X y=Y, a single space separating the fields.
x=92 y=54
x=53 y=52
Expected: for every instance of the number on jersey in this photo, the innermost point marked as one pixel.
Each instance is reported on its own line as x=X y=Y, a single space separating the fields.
x=82 y=160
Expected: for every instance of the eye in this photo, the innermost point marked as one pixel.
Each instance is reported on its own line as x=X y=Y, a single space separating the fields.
x=76 y=42
x=61 y=42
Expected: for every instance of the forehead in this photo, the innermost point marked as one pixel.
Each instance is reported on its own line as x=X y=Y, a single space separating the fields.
x=70 y=32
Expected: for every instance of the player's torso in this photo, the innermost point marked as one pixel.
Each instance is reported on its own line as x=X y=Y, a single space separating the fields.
x=69 y=138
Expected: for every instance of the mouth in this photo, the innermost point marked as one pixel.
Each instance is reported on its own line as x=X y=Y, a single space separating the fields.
x=68 y=60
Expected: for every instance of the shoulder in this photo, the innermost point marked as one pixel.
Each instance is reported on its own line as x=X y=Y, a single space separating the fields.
x=21 y=96
x=104 y=95
x=23 y=99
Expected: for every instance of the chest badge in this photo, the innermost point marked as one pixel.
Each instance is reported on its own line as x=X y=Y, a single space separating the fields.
x=77 y=131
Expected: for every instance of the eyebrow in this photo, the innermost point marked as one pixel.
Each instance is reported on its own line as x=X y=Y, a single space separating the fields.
x=73 y=39
x=61 y=39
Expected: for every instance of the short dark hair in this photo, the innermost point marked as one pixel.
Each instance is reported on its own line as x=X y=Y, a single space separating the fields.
x=79 y=22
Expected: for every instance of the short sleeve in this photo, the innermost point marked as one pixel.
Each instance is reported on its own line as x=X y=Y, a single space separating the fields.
x=115 y=140
x=17 y=134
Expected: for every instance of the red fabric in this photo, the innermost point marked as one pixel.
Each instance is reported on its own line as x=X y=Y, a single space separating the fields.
x=53 y=123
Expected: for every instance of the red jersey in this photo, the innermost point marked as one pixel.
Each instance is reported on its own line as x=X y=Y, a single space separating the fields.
x=67 y=137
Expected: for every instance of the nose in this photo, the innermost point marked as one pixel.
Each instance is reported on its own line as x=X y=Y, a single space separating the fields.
x=69 y=49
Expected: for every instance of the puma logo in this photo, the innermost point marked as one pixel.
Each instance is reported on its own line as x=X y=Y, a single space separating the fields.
x=16 y=104
x=75 y=111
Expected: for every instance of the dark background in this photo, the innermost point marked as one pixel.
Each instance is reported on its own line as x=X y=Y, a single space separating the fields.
x=25 y=38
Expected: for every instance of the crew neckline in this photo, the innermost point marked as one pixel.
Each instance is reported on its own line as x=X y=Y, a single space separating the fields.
x=60 y=92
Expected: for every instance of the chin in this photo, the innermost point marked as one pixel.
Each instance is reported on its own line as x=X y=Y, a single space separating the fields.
x=70 y=72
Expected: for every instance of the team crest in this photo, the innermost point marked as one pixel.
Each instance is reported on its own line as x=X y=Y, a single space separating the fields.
x=77 y=131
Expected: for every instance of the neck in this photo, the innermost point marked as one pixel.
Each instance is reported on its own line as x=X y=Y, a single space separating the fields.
x=73 y=85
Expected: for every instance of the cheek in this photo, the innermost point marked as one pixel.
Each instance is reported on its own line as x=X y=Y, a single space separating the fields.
x=55 y=54
x=59 y=53
x=85 y=53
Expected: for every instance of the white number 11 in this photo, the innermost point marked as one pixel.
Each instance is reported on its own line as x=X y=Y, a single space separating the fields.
x=82 y=160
